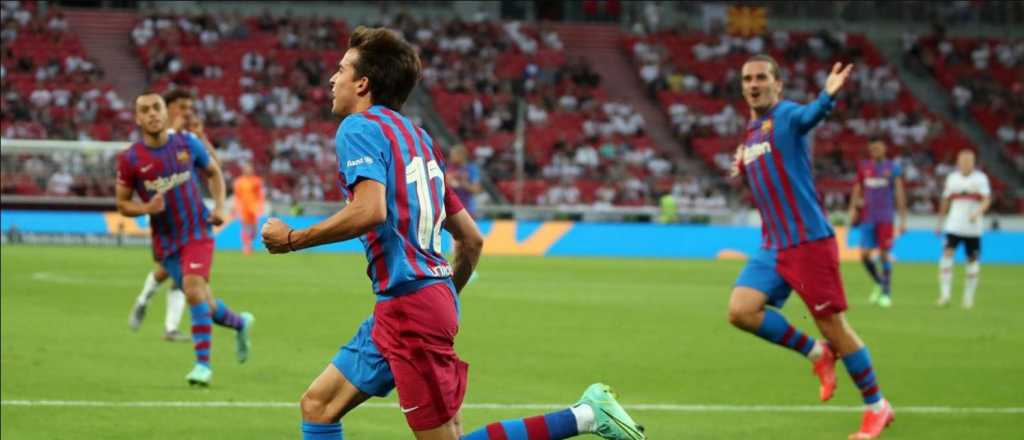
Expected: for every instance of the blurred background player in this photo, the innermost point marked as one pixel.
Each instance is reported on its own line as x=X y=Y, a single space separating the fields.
x=249 y=202
x=181 y=118
x=463 y=177
x=390 y=168
x=163 y=169
x=877 y=193
x=965 y=199
x=799 y=249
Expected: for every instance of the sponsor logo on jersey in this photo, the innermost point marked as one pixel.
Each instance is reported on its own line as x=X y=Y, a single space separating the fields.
x=162 y=184
x=754 y=151
x=442 y=270
x=367 y=160
x=876 y=182
x=183 y=156
x=766 y=126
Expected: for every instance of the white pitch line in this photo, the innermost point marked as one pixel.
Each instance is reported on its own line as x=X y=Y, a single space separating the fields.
x=665 y=407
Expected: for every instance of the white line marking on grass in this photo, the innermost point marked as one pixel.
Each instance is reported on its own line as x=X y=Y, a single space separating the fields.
x=665 y=407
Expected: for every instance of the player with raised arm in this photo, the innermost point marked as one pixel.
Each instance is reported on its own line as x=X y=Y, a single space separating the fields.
x=164 y=170
x=393 y=177
x=877 y=193
x=965 y=198
x=799 y=249
x=181 y=117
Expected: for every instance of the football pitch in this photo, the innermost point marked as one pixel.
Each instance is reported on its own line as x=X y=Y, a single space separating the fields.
x=536 y=332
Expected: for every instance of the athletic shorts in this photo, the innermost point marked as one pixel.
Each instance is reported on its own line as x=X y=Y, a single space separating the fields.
x=194 y=258
x=409 y=344
x=972 y=245
x=876 y=236
x=812 y=269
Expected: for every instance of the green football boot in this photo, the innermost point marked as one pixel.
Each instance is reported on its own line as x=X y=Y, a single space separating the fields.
x=875 y=296
x=200 y=375
x=242 y=341
x=885 y=301
x=610 y=420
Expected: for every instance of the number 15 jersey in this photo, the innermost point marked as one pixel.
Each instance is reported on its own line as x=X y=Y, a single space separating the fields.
x=404 y=252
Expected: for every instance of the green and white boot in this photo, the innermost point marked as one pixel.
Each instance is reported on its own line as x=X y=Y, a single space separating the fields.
x=200 y=375
x=242 y=341
x=876 y=294
x=610 y=420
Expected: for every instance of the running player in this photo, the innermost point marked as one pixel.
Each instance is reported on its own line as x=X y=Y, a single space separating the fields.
x=799 y=250
x=965 y=199
x=181 y=117
x=164 y=170
x=249 y=201
x=877 y=191
x=393 y=176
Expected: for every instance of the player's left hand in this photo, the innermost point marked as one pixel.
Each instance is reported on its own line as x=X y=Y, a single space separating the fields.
x=216 y=216
x=902 y=229
x=837 y=78
x=275 y=236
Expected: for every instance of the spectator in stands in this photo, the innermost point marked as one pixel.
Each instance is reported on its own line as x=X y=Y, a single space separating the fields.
x=59 y=183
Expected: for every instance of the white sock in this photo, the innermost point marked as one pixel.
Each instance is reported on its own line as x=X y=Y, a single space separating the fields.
x=175 y=309
x=877 y=406
x=945 y=277
x=584 y=418
x=148 y=289
x=816 y=351
x=971 y=282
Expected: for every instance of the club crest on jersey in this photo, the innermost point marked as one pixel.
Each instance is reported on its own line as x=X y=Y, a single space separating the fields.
x=766 y=126
x=183 y=156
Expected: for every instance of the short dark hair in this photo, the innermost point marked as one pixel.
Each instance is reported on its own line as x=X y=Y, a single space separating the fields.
x=176 y=94
x=776 y=71
x=390 y=63
x=146 y=93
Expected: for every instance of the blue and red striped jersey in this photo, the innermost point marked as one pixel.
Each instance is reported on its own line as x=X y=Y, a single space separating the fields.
x=404 y=252
x=877 y=180
x=171 y=168
x=777 y=168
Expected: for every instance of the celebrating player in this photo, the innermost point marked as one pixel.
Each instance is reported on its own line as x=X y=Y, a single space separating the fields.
x=799 y=250
x=181 y=118
x=965 y=199
x=393 y=177
x=164 y=170
x=249 y=201
x=877 y=191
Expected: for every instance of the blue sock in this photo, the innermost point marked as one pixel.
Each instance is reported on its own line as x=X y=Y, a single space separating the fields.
x=869 y=265
x=321 y=431
x=886 y=275
x=223 y=316
x=202 y=324
x=858 y=364
x=552 y=426
x=776 y=329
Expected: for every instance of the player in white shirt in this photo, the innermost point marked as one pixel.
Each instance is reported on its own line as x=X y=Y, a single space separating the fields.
x=965 y=199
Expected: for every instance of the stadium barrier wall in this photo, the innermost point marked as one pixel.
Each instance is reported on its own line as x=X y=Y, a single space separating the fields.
x=551 y=238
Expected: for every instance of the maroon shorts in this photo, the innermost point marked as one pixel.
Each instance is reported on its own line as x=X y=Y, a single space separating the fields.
x=194 y=258
x=415 y=333
x=812 y=269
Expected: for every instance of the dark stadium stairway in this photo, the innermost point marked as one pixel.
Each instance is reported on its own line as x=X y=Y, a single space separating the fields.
x=602 y=46
x=107 y=38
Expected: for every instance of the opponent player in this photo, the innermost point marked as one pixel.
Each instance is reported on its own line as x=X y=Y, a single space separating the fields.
x=877 y=191
x=393 y=176
x=164 y=170
x=181 y=117
x=249 y=200
x=965 y=199
x=799 y=250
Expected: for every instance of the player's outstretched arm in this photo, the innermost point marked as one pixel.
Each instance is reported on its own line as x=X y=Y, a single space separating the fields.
x=469 y=243
x=808 y=116
x=367 y=209
x=901 y=204
x=130 y=208
x=854 y=203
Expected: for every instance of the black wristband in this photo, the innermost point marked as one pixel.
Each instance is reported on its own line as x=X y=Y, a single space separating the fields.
x=290 y=248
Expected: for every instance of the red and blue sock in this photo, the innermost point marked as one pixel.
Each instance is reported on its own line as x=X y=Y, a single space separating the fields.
x=201 y=336
x=776 y=329
x=321 y=431
x=858 y=364
x=224 y=317
x=552 y=426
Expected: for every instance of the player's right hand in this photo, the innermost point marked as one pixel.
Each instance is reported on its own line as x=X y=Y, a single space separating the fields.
x=156 y=205
x=853 y=217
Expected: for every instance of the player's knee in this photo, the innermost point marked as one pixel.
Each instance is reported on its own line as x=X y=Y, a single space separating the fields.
x=741 y=318
x=314 y=408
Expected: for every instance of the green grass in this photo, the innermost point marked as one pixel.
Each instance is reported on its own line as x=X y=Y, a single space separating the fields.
x=534 y=330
